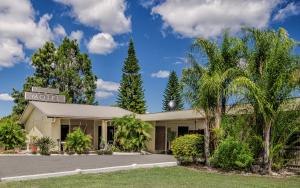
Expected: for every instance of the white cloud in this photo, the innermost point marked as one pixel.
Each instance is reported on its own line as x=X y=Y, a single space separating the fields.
x=11 y=52
x=101 y=43
x=107 y=85
x=77 y=35
x=5 y=97
x=147 y=3
x=194 y=18
x=105 y=15
x=103 y=94
x=19 y=30
x=290 y=10
x=161 y=74
x=59 y=30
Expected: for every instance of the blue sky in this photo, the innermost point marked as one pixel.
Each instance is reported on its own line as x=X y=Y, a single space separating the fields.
x=162 y=31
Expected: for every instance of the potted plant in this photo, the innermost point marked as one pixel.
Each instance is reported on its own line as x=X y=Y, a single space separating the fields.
x=45 y=144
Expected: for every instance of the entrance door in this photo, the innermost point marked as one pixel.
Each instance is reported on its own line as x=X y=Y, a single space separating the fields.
x=182 y=130
x=64 y=131
x=110 y=134
x=160 y=138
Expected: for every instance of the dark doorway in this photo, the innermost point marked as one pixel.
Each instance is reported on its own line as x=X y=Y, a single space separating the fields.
x=182 y=130
x=99 y=136
x=160 y=138
x=64 y=131
x=110 y=134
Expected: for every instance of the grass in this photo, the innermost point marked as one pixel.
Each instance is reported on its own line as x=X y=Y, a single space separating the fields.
x=159 y=177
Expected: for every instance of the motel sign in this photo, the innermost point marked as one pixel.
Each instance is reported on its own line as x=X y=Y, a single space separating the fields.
x=45 y=95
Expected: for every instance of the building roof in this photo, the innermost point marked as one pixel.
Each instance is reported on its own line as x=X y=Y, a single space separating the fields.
x=173 y=115
x=76 y=111
x=81 y=111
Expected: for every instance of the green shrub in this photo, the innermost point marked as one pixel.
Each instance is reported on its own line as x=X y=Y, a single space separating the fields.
x=188 y=148
x=232 y=154
x=11 y=134
x=131 y=134
x=78 y=142
x=45 y=144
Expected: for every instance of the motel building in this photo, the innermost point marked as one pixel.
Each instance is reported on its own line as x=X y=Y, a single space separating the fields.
x=47 y=114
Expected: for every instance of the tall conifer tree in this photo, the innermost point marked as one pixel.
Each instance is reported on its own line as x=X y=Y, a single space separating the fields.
x=131 y=92
x=172 y=93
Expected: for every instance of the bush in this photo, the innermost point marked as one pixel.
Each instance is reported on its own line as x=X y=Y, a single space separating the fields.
x=45 y=144
x=78 y=142
x=11 y=134
x=131 y=133
x=188 y=148
x=232 y=154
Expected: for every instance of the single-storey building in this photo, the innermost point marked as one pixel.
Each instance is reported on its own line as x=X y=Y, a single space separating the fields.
x=56 y=120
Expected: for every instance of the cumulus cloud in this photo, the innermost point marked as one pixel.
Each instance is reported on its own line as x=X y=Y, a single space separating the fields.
x=60 y=31
x=194 y=18
x=105 y=15
x=107 y=85
x=290 y=9
x=5 y=97
x=101 y=43
x=106 y=89
x=103 y=94
x=161 y=74
x=76 y=35
x=20 y=30
x=11 y=52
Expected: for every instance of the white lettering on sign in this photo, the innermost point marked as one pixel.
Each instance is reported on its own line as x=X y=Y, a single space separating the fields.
x=45 y=97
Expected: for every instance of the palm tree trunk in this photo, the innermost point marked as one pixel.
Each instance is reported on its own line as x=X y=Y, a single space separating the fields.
x=218 y=119
x=206 y=142
x=266 y=157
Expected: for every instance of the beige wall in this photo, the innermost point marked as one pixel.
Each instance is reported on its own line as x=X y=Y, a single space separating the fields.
x=173 y=125
x=39 y=125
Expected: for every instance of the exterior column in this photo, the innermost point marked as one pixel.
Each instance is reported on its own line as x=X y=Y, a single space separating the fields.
x=104 y=131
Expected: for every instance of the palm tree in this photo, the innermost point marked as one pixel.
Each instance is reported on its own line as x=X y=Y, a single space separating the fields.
x=269 y=79
x=205 y=87
x=222 y=67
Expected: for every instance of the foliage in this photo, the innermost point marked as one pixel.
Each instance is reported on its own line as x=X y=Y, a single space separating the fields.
x=172 y=93
x=131 y=92
x=45 y=144
x=131 y=134
x=11 y=134
x=78 y=142
x=284 y=138
x=232 y=154
x=240 y=127
x=205 y=87
x=108 y=150
x=65 y=68
x=188 y=148
x=269 y=79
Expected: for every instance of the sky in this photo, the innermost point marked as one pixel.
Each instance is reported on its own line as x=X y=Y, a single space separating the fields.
x=162 y=30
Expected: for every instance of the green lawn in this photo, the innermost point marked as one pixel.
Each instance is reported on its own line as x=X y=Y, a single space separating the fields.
x=159 y=177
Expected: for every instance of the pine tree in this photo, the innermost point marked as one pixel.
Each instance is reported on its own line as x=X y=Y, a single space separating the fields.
x=131 y=93
x=172 y=93
x=64 y=68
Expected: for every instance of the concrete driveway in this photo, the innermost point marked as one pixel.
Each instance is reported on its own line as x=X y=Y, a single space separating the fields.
x=30 y=165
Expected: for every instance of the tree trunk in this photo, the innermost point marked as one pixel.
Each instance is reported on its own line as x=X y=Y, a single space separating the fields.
x=218 y=119
x=267 y=162
x=206 y=142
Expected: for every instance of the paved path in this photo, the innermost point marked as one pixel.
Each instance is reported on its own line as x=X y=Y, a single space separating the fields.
x=29 y=165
